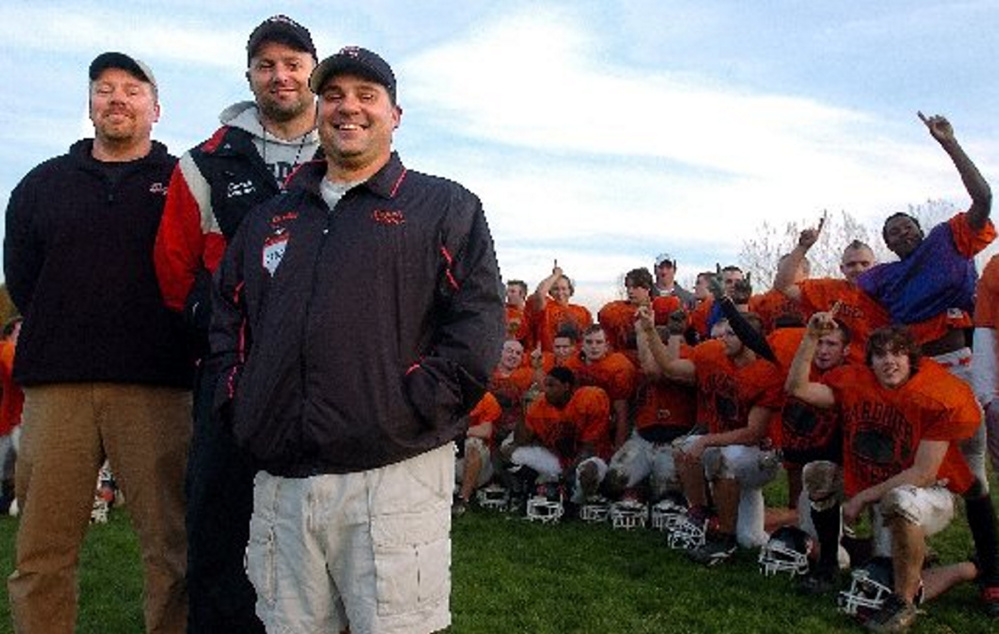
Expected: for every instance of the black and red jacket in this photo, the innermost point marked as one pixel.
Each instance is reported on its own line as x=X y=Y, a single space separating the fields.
x=352 y=338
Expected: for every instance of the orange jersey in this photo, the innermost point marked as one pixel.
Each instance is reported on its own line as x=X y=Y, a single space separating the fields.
x=806 y=433
x=618 y=321
x=544 y=324
x=699 y=317
x=665 y=403
x=726 y=392
x=775 y=308
x=13 y=398
x=487 y=410
x=517 y=326
x=585 y=419
x=509 y=393
x=987 y=296
x=615 y=374
x=858 y=311
x=882 y=427
x=663 y=306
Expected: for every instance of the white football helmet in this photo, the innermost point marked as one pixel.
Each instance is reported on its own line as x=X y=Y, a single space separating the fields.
x=541 y=509
x=787 y=550
x=689 y=532
x=595 y=509
x=546 y=505
x=667 y=513
x=871 y=584
x=628 y=514
x=493 y=497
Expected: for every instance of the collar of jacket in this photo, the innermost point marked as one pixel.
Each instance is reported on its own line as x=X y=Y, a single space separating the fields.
x=384 y=183
x=82 y=151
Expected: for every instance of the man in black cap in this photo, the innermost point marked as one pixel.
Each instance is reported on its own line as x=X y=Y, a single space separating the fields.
x=102 y=362
x=244 y=163
x=356 y=320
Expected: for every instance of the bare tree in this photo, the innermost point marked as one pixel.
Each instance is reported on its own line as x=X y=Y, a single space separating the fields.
x=761 y=253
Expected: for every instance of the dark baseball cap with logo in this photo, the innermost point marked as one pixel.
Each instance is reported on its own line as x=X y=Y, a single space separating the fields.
x=358 y=61
x=114 y=59
x=280 y=28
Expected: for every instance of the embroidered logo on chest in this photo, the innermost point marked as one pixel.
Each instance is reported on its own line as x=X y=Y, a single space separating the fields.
x=388 y=216
x=273 y=251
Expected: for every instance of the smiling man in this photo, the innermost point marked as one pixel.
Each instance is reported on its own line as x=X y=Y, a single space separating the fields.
x=102 y=362
x=244 y=163
x=357 y=319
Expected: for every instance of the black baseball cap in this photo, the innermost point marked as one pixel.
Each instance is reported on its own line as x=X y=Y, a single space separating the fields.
x=280 y=28
x=357 y=60
x=113 y=59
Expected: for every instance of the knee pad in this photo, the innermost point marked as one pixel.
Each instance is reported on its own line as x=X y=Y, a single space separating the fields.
x=900 y=503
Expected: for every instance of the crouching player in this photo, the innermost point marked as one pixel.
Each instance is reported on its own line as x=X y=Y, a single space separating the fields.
x=565 y=431
x=737 y=395
x=474 y=467
x=903 y=418
x=665 y=410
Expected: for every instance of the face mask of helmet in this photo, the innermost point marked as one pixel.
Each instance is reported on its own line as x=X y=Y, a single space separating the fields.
x=787 y=550
x=493 y=497
x=595 y=510
x=628 y=514
x=667 y=513
x=546 y=505
x=870 y=585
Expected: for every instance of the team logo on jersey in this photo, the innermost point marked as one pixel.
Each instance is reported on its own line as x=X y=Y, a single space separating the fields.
x=158 y=188
x=273 y=251
x=235 y=190
x=388 y=216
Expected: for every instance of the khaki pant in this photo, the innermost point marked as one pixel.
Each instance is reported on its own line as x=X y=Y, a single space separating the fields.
x=68 y=430
x=370 y=549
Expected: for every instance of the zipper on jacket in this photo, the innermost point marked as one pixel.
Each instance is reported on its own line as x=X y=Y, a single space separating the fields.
x=312 y=292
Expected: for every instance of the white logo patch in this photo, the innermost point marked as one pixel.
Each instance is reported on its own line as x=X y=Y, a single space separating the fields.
x=239 y=189
x=273 y=252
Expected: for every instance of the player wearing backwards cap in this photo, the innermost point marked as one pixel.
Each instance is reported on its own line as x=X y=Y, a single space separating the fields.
x=350 y=414
x=102 y=362
x=216 y=183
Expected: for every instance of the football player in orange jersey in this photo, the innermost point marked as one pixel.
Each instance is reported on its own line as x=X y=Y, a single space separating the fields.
x=565 y=433
x=598 y=365
x=738 y=394
x=548 y=309
x=903 y=418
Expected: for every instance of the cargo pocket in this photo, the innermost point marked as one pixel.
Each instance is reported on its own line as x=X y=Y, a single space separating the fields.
x=260 y=549
x=412 y=560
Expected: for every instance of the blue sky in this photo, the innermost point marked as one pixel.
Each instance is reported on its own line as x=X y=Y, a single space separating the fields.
x=597 y=133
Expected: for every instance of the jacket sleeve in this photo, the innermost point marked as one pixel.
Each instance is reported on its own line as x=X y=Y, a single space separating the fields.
x=229 y=334
x=189 y=245
x=22 y=251
x=471 y=311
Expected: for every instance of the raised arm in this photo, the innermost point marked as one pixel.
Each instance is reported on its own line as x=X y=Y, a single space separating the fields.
x=797 y=384
x=667 y=357
x=544 y=286
x=784 y=280
x=979 y=190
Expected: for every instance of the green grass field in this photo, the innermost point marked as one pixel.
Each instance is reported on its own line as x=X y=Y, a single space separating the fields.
x=511 y=576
